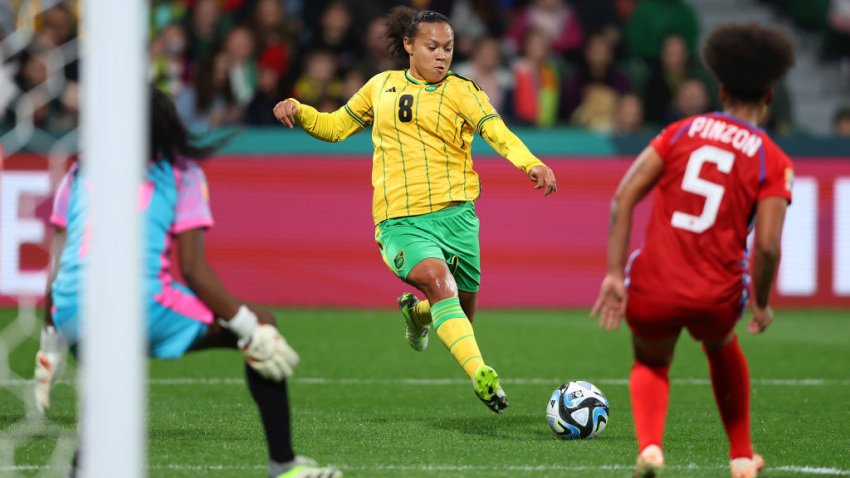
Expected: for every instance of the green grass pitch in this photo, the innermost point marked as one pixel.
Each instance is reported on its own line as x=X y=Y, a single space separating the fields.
x=364 y=401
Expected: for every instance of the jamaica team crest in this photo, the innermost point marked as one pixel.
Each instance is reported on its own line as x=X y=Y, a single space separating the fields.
x=398 y=261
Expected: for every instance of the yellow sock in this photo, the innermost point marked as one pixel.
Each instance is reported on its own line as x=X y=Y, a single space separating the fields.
x=421 y=313
x=455 y=331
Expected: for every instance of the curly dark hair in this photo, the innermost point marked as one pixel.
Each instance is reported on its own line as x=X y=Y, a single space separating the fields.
x=404 y=22
x=748 y=59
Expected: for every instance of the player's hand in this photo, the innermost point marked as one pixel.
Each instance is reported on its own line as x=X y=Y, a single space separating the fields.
x=265 y=350
x=762 y=318
x=611 y=304
x=545 y=179
x=285 y=112
x=269 y=354
x=49 y=362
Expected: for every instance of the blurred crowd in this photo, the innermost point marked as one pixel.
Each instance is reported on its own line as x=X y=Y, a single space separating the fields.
x=613 y=66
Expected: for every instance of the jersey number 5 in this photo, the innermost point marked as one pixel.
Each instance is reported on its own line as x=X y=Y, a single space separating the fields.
x=405 y=108
x=712 y=192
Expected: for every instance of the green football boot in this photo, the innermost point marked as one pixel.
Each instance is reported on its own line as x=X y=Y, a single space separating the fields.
x=485 y=383
x=416 y=336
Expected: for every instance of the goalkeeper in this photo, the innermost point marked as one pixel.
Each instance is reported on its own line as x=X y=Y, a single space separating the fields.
x=176 y=211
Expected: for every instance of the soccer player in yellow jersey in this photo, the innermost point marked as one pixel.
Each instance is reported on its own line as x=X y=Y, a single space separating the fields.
x=423 y=120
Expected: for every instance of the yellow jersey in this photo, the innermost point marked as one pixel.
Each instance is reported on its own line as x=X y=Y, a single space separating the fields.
x=422 y=133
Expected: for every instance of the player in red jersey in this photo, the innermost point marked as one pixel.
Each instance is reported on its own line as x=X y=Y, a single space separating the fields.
x=715 y=176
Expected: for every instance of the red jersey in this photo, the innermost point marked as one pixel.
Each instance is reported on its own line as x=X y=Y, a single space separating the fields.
x=716 y=169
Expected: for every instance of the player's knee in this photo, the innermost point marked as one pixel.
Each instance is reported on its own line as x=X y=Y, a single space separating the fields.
x=437 y=285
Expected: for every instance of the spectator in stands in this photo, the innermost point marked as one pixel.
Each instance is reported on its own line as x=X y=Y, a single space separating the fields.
x=556 y=19
x=486 y=68
x=241 y=65
x=596 y=79
x=536 y=83
x=598 y=17
x=837 y=41
x=691 y=99
x=272 y=32
x=629 y=116
x=653 y=21
x=351 y=84
x=337 y=36
x=472 y=20
x=168 y=59
x=674 y=67
x=376 y=59
x=58 y=26
x=206 y=27
x=841 y=122
x=164 y=13
x=320 y=85
x=32 y=100
x=259 y=110
x=209 y=102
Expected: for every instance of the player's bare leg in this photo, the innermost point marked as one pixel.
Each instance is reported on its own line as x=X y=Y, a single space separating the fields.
x=649 y=387
x=730 y=381
x=468 y=302
x=452 y=325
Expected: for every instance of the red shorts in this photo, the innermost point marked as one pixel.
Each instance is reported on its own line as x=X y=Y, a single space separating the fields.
x=653 y=317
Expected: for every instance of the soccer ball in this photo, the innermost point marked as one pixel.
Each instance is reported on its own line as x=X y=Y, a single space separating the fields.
x=577 y=410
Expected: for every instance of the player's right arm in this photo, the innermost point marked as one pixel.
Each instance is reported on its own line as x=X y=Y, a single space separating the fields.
x=637 y=182
x=353 y=117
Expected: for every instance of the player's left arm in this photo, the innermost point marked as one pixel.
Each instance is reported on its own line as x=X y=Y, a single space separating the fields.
x=476 y=109
x=509 y=146
x=641 y=177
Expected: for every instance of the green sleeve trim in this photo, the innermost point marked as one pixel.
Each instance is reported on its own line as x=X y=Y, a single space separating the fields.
x=357 y=119
x=484 y=120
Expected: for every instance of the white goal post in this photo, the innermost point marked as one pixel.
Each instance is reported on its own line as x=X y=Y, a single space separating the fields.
x=114 y=144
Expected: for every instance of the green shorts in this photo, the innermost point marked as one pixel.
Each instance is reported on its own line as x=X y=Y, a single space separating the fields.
x=450 y=234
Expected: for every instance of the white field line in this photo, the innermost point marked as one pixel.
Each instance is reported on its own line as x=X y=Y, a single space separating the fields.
x=796 y=470
x=804 y=382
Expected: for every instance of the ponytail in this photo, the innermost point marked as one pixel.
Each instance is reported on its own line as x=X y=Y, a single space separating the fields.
x=404 y=22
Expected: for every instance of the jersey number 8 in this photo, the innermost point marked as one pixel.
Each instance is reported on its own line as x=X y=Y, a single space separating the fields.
x=712 y=192
x=405 y=108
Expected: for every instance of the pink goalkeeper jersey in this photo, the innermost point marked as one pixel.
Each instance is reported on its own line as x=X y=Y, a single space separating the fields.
x=173 y=198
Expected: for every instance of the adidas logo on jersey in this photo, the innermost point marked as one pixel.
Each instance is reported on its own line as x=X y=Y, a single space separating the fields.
x=391 y=90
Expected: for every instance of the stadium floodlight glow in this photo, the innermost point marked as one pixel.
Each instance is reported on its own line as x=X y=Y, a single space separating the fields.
x=114 y=134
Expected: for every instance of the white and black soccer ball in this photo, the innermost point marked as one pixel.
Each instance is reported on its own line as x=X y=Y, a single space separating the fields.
x=577 y=410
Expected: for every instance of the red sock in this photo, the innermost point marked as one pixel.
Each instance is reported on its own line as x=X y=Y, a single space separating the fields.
x=730 y=379
x=650 y=391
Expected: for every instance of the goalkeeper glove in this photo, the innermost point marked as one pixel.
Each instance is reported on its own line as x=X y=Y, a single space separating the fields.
x=265 y=350
x=49 y=362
